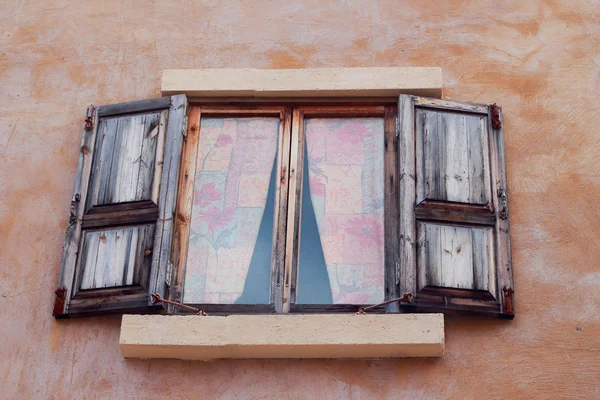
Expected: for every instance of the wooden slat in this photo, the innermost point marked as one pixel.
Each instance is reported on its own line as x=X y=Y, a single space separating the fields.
x=455 y=257
x=160 y=156
x=391 y=227
x=294 y=210
x=343 y=111
x=134 y=107
x=73 y=232
x=406 y=162
x=454 y=215
x=451 y=105
x=185 y=199
x=454 y=165
x=246 y=110
x=120 y=214
x=124 y=166
x=110 y=302
x=281 y=213
x=177 y=124
x=502 y=231
x=114 y=257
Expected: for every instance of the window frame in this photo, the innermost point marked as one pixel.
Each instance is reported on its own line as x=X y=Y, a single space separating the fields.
x=284 y=261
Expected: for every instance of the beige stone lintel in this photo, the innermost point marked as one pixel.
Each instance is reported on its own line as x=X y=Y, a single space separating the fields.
x=282 y=336
x=318 y=82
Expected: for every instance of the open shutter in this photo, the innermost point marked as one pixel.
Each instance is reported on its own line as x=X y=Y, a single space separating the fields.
x=121 y=222
x=454 y=228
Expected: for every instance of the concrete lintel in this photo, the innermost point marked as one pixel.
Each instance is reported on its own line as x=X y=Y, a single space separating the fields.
x=282 y=336
x=318 y=82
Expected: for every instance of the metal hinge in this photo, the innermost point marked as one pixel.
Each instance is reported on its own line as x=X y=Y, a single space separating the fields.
x=496 y=123
x=59 y=301
x=89 y=118
x=507 y=300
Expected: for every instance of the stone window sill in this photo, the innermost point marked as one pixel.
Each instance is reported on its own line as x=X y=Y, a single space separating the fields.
x=282 y=336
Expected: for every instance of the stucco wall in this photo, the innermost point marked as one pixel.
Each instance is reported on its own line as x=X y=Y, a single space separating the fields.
x=539 y=60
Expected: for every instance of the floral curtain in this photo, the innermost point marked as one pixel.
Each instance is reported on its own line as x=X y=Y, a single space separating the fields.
x=345 y=160
x=234 y=165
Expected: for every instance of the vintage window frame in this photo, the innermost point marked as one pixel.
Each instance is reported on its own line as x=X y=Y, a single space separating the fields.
x=290 y=161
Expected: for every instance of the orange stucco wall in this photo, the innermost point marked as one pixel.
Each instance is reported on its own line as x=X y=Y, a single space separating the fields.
x=540 y=60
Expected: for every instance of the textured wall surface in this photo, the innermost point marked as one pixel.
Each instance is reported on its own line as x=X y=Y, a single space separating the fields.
x=540 y=60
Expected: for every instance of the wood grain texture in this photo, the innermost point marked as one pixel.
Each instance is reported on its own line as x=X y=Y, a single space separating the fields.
x=176 y=126
x=116 y=257
x=406 y=267
x=78 y=201
x=125 y=160
x=278 y=256
x=500 y=198
x=132 y=107
x=294 y=208
x=455 y=257
x=454 y=165
x=185 y=197
x=391 y=221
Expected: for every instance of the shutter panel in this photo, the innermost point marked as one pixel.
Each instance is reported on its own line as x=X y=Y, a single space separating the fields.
x=454 y=229
x=121 y=221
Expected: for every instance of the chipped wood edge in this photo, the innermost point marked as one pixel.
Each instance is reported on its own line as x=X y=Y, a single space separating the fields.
x=293 y=209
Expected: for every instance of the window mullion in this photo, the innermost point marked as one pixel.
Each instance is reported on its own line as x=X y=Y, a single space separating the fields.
x=391 y=220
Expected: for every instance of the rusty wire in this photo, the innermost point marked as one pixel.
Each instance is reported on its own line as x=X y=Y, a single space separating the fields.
x=156 y=298
x=406 y=297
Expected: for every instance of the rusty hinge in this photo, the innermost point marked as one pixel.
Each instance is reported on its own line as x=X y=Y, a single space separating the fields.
x=496 y=123
x=73 y=209
x=89 y=118
x=59 y=301
x=507 y=301
x=503 y=214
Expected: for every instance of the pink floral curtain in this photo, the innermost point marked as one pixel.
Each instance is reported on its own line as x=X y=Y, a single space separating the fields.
x=345 y=160
x=234 y=165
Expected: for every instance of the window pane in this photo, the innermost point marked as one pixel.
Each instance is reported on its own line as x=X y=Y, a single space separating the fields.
x=229 y=254
x=342 y=245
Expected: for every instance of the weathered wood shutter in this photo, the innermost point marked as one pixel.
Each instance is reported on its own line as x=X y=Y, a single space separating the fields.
x=454 y=228
x=120 y=228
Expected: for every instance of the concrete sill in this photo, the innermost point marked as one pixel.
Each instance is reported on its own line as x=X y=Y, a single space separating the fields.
x=282 y=336
x=311 y=82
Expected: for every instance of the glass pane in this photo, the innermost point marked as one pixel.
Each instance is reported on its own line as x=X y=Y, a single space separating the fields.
x=229 y=254
x=342 y=245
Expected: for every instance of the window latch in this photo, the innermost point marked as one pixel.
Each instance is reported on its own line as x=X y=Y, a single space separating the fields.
x=406 y=297
x=156 y=298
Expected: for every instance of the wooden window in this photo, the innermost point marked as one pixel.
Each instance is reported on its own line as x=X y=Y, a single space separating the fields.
x=454 y=231
x=300 y=207
x=231 y=213
x=119 y=233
